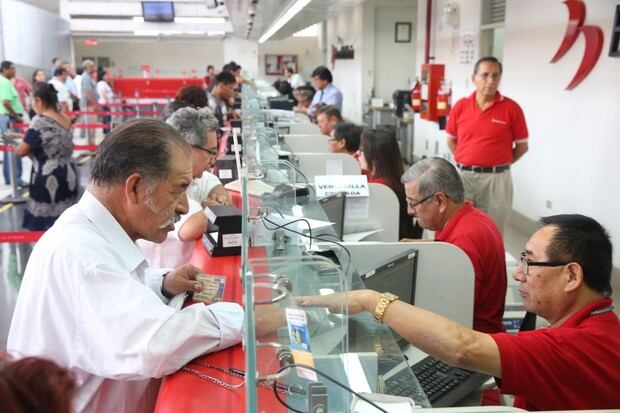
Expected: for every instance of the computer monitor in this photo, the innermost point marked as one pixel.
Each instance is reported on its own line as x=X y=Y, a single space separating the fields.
x=396 y=275
x=282 y=104
x=334 y=207
x=158 y=11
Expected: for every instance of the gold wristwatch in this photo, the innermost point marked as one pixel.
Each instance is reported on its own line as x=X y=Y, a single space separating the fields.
x=385 y=300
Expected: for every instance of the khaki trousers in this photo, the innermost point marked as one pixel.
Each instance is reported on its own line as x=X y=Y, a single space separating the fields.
x=490 y=192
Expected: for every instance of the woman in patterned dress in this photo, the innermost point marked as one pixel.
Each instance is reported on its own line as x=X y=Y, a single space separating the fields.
x=48 y=142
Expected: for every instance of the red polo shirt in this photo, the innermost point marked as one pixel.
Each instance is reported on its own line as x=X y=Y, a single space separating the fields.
x=486 y=138
x=573 y=366
x=477 y=235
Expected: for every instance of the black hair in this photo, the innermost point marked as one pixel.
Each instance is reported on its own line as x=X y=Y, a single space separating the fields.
x=351 y=134
x=47 y=93
x=34 y=74
x=488 y=59
x=140 y=145
x=5 y=65
x=79 y=70
x=323 y=73
x=382 y=154
x=100 y=73
x=59 y=71
x=284 y=87
x=193 y=95
x=225 y=77
x=583 y=240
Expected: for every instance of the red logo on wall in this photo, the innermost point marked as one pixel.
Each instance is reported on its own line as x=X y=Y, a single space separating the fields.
x=593 y=36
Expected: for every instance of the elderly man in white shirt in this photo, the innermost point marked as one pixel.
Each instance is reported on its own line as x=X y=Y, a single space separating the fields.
x=88 y=300
x=199 y=128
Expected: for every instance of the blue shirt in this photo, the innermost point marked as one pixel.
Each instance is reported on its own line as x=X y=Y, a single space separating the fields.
x=330 y=96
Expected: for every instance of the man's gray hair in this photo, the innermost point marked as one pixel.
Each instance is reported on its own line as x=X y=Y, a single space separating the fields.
x=434 y=175
x=193 y=124
x=87 y=62
x=141 y=146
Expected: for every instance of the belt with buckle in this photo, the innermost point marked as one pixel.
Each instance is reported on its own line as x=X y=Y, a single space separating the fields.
x=484 y=169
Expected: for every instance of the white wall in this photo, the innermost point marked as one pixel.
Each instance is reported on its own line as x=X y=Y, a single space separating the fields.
x=168 y=56
x=380 y=65
x=574 y=134
x=307 y=49
x=572 y=162
x=348 y=73
x=243 y=52
x=31 y=37
x=394 y=62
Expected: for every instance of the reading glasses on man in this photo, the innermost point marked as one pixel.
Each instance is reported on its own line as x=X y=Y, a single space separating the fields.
x=412 y=205
x=212 y=152
x=526 y=264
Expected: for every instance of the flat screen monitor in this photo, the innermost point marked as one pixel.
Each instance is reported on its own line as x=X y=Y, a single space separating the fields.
x=158 y=11
x=334 y=207
x=396 y=275
x=282 y=104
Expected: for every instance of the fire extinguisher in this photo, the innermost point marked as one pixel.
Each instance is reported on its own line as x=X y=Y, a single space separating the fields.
x=442 y=100
x=416 y=97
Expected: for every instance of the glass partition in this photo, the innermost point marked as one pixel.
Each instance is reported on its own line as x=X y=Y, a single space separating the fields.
x=290 y=249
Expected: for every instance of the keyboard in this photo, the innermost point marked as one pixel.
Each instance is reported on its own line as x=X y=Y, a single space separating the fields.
x=443 y=384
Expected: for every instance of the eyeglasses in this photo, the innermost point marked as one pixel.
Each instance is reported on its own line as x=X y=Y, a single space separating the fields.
x=212 y=152
x=411 y=205
x=525 y=264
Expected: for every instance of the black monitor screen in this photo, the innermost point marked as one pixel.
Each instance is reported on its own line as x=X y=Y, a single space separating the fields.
x=396 y=276
x=334 y=207
x=158 y=11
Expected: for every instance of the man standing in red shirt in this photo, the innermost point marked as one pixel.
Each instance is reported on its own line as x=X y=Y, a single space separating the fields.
x=435 y=196
x=564 y=277
x=487 y=133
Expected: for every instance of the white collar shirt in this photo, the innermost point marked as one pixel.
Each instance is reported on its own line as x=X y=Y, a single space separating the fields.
x=89 y=302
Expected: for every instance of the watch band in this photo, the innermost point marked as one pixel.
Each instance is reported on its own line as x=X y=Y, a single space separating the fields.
x=385 y=300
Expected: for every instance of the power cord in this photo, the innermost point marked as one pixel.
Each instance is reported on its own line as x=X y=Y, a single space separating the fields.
x=317 y=238
x=304 y=366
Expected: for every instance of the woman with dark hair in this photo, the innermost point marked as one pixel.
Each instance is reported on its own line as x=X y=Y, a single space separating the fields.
x=35 y=385
x=48 y=142
x=380 y=160
x=189 y=96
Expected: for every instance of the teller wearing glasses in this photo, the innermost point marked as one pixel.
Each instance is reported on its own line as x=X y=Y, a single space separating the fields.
x=435 y=196
x=565 y=278
x=199 y=128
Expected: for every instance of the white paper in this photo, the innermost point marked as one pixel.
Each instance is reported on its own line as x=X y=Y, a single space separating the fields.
x=210 y=215
x=231 y=240
x=355 y=373
x=359 y=236
x=356 y=208
x=225 y=173
x=334 y=167
x=353 y=185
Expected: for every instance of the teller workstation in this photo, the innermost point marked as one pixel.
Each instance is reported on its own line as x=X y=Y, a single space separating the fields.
x=294 y=244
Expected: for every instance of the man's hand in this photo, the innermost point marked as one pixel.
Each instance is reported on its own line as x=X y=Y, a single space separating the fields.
x=216 y=199
x=183 y=279
x=356 y=301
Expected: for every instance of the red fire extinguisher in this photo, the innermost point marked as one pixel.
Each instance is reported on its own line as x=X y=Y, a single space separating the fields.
x=443 y=95
x=416 y=97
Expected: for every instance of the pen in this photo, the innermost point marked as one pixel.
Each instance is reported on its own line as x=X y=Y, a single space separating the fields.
x=284 y=387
